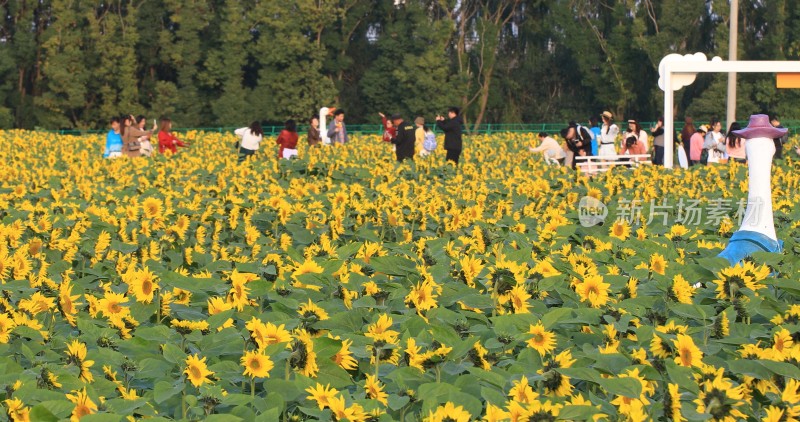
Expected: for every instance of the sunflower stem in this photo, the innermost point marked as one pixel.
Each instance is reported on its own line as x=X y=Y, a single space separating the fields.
x=252 y=388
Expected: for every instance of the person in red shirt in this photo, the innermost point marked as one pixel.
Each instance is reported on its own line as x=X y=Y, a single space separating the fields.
x=389 y=130
x=287 y=140
x=166 y=140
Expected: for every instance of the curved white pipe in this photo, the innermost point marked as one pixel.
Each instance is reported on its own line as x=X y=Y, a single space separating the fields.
x=323 y=125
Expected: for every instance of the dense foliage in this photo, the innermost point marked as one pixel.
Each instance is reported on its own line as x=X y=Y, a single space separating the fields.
x=72 y=64
x=343 y=286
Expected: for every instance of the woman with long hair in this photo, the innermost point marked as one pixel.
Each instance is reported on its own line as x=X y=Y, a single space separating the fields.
x=166 y=140
x=131 y=133
x=686 y=137
x=735 y=144
x=314 y=137
x=608 y=135
x=251 y=139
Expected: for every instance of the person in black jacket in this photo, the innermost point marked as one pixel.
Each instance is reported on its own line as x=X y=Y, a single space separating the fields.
x=453 y=143
x=404 y=138
x=579 y=141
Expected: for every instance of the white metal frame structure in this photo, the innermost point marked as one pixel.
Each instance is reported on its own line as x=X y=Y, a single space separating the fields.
x=677 y=71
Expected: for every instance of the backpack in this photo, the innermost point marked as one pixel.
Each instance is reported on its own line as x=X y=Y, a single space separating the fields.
x=585 y=134
x=430 y=142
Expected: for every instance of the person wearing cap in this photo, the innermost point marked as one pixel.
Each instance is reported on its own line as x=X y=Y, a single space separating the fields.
x=696 y=144
x=403 y=139
x=419 y=136
x=608 y=135
x=757 y=231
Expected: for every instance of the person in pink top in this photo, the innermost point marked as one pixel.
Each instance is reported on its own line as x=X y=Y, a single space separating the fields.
x=632 y=145
x=735 y=144
x=696 y=144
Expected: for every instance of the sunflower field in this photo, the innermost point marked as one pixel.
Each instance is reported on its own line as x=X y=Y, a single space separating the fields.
x=344 y=286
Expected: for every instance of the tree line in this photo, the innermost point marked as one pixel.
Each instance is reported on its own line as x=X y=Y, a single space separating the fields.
x=74 y=63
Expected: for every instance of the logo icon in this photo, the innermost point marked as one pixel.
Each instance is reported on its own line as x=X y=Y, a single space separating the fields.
x=591 y=211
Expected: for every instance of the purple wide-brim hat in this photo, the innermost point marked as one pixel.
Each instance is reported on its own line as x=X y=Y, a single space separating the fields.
x=760 y=127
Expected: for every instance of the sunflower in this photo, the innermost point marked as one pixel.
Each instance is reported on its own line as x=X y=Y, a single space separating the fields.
x=782 y=344
x=307 y=267
x=83 y=404
x=267 y=334
x=517 y=298
x=344 y=357
x=522 y=391
x=353 y=413
x=238 y=294
x=321 y=394
x=17 y=411
x=143 y=285
x=185 y=327
x=196 y=370
x=303 y=357
x=471 y=267
x=658 y=264
x=681 y=291
x=256 y=364
x=677 y=232
x=423 y=295
x=380 y=330
x=495 y=414
x=111 y=305
x=544 y=411
x=309 y=314
x=720 y=399
x=730 y=282
x=689 y=354
x=67 y=303
x=672 y=404
x=620 y=230
x=448 y=412
x=375 y=391
x=555 y=384
x=593 y=290
x=152 y=207
x=76 y=354
x=543 y=341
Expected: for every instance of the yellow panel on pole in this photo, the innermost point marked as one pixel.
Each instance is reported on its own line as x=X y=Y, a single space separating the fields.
x=788 y=80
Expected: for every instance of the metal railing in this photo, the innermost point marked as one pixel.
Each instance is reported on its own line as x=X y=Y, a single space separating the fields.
x=486 y=128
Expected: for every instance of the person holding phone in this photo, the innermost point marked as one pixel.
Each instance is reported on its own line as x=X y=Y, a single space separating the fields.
x=453 y=142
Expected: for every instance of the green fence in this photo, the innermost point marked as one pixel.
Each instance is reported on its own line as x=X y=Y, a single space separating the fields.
x=487 y=128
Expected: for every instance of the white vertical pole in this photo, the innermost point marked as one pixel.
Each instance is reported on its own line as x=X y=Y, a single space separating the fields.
x=669 y=120
x=323 y=125
x=732 y=53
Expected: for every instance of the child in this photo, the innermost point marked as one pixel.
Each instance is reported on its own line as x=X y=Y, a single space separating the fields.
x=389 y=131
x=429 y=143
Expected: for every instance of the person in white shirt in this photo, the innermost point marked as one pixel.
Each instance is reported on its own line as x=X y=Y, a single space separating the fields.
x=608 y=135
x=251 y=139
x=549 y=148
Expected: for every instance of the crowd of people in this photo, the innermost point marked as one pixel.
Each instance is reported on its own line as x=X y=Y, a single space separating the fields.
x=701 y=145
x=129 y=137
x=409 y=140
